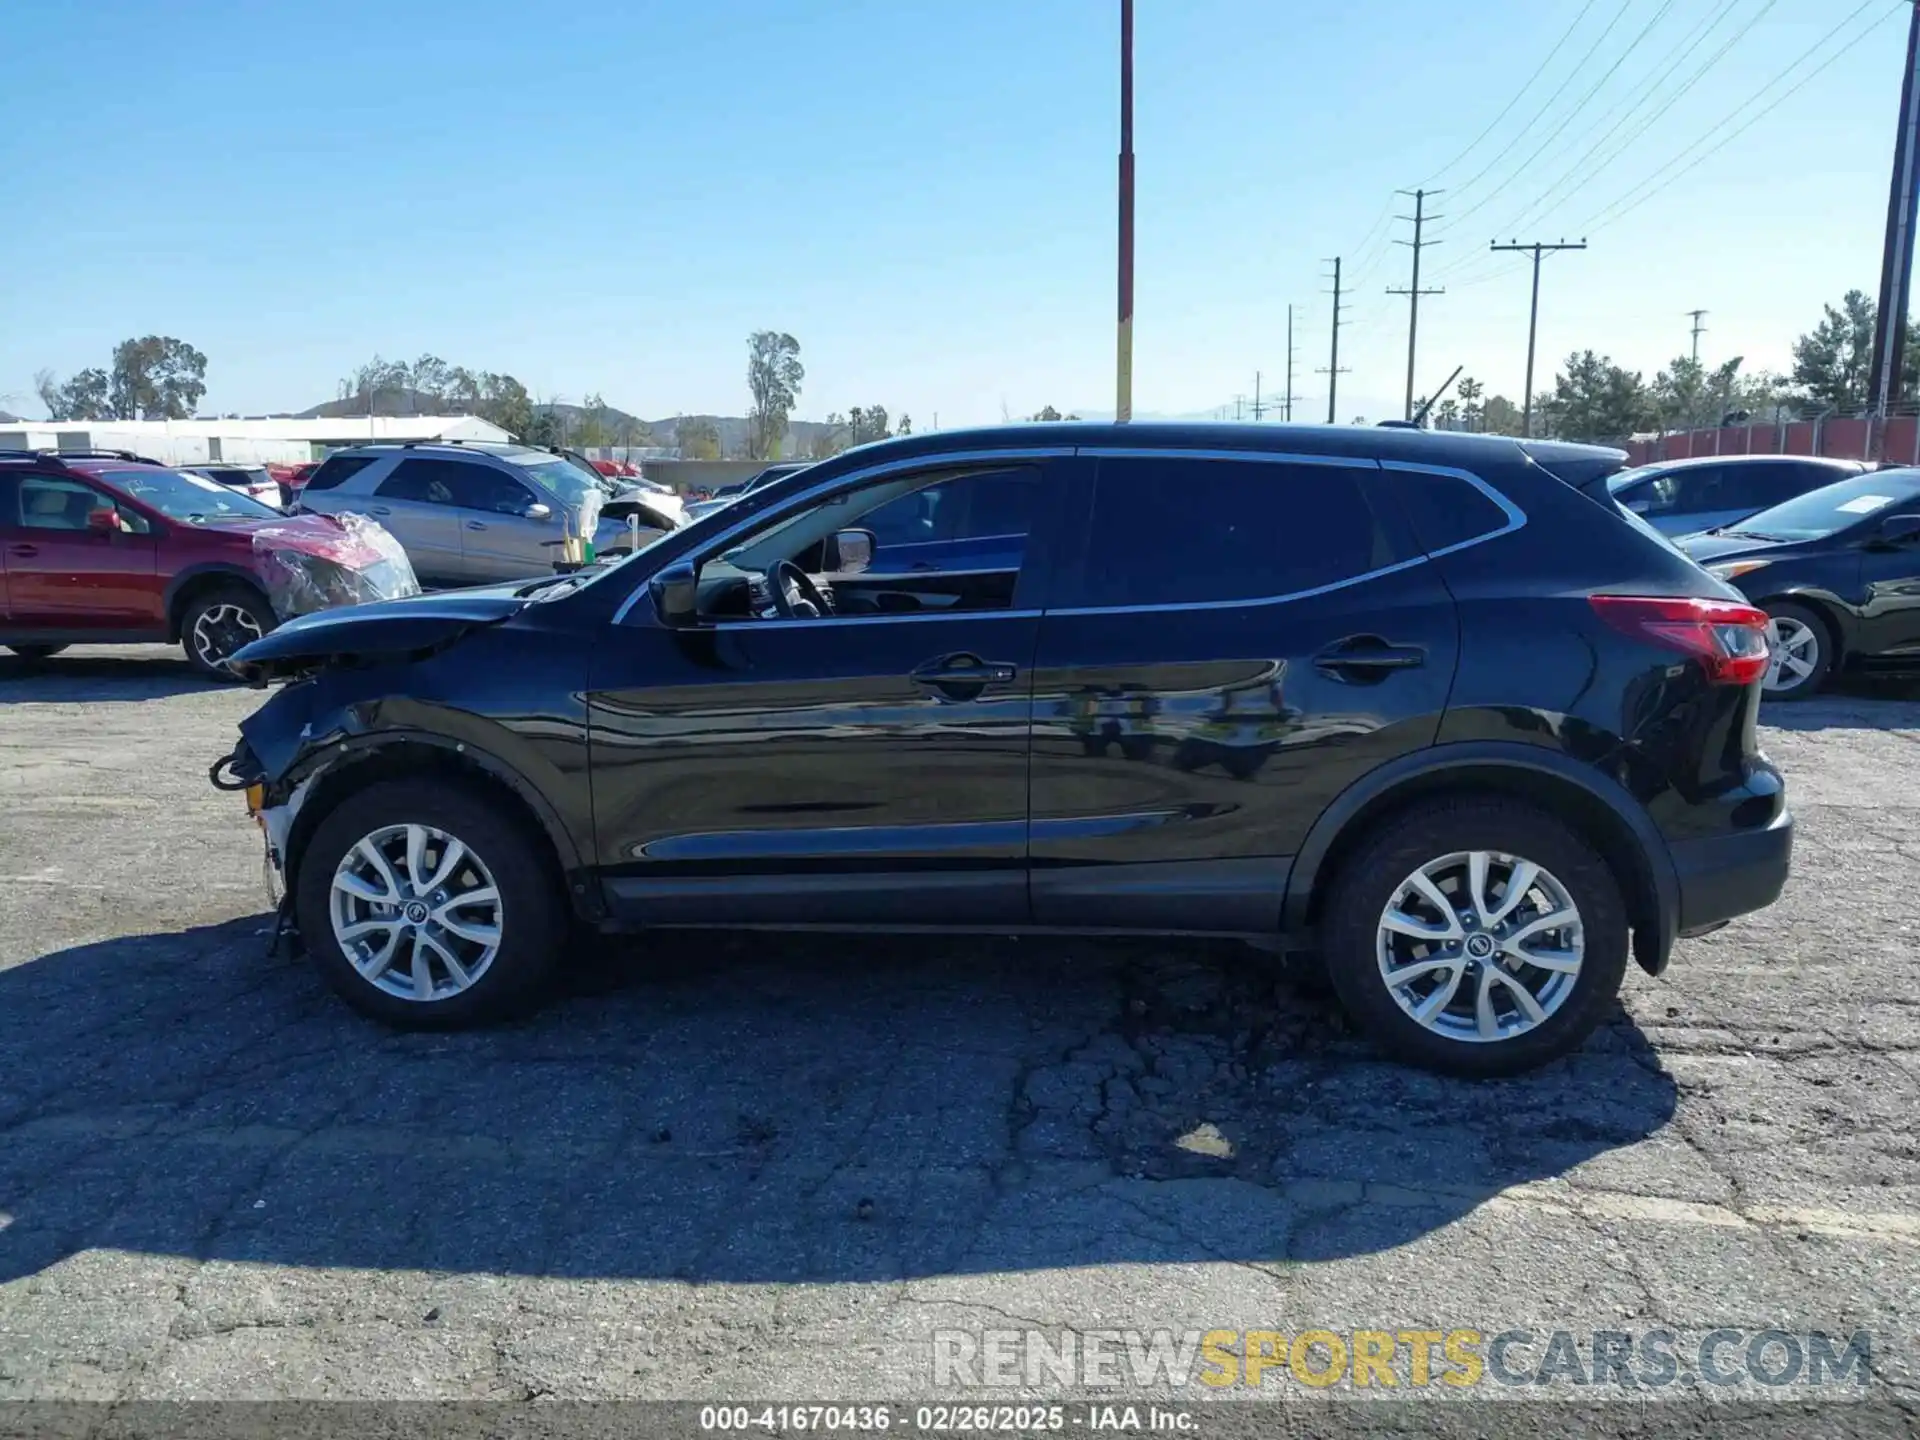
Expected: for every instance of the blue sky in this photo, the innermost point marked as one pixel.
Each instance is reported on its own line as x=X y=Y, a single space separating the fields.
x=610 y=194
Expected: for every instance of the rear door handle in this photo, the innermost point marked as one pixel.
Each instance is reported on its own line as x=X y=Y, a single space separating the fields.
x=25 y=552
x=964 y=677
x=476 y=524
x=1367 y=659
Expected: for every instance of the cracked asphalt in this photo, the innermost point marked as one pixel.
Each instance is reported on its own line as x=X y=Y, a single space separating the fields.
x=767 y=1166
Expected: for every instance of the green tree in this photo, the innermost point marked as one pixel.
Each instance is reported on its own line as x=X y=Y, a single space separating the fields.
x=595 y=425
x=84 y=397
x=1594 y=399
x=1500 y=416
x=830 y=440
x=905 y=427
x=868 y=425
x=1831 y=361
x=1472 y=394
x=774 y=375
x=698 y=439
x=504 y=401
x=156 y=378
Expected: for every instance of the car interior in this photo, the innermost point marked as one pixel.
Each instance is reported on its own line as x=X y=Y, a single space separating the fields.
x=822 y=562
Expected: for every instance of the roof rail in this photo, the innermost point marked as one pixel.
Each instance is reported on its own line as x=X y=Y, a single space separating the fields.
x=63 y=455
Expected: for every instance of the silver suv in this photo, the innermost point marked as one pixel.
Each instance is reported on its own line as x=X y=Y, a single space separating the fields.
x=467 y=514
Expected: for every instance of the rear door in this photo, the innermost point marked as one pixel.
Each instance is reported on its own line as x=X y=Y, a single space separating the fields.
x=1890 y=621
x=1207 y=683
x=62 y=575
x=415 y=500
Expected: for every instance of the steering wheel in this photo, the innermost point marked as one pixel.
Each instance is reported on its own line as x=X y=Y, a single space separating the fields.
x=793 y=592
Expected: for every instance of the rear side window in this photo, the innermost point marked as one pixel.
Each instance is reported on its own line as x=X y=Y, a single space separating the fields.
x=335 y=469
x=1178 y=531
x=1445 y=510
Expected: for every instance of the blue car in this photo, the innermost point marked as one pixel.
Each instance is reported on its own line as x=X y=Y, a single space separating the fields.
x=1684 y=497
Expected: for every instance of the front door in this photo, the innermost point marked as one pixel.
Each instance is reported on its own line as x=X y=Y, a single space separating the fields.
x=498 y=540
x=1239 y=642
x=865 y=767
x=1890 y=619
x=62 y=574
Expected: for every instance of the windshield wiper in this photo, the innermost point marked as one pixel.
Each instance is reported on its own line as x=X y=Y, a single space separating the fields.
x=1745 y=534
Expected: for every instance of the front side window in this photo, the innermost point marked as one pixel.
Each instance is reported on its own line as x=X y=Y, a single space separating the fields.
x=46 y=503
x=1179 y=532
x=481 y=487
x=991 y=504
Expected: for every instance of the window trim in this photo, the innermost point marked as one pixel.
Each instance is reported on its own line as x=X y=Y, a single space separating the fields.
x=853 y=479
x=1516 y=519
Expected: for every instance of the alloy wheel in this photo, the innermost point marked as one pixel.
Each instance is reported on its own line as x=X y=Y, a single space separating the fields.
x=416 y=912
x=220 y=630
x=1795 y=658
x=1480 y=946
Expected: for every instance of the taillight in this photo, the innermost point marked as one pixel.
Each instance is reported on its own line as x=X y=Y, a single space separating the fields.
x=1729 y=639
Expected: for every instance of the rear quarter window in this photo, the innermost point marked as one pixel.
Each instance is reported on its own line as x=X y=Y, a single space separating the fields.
x=1446 y=511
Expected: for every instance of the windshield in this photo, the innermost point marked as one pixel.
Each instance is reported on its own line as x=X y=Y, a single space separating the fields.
x=192 y=498
x=564 y=479
x=1834 y=508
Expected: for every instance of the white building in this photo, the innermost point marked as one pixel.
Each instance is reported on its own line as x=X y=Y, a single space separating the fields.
x=198 y=441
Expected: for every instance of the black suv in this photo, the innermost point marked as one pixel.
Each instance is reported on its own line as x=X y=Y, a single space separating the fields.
x=1430 y=704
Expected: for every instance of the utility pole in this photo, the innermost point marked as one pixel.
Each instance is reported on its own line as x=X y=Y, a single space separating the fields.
x=1290 y=358
x=1333 y=372
x=1258 y=409
x=1414 y=292
x=1896 y=264
x=1537 y=249
x=1698 y=331
x=1123 y=356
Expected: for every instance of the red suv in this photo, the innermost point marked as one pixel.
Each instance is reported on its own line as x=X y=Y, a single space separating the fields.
x=105 y=548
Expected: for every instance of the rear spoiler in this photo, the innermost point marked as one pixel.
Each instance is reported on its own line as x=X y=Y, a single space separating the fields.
x=1587 y=468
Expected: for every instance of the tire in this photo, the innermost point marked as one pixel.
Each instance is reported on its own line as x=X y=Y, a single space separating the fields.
x=1380 y=873
x=1800 y=634
x=36 y=652
x=528 y=917
x=218 y=622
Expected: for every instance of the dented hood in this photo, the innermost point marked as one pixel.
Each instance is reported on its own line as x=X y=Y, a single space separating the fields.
x=380 y=628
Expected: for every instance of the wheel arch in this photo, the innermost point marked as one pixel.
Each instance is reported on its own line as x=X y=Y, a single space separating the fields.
x=359 y=764
x=1833 y=613
x=1595 y=805
x=196 y=580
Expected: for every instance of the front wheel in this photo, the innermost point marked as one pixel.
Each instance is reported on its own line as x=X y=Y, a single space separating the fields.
x=426 y=906
x=221 y=622
x=1476 y=937
x=1802 y=652
x=36 y=652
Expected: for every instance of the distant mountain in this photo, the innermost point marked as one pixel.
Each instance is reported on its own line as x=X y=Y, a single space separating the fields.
x=732 y=429
x=7 y=419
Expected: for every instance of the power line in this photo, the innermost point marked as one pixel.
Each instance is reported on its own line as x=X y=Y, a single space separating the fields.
x=1414 y=292
x=1539 y=114
x=1630 y=200
x=1518 y=95
x=1583 y=171
x=1579 y=105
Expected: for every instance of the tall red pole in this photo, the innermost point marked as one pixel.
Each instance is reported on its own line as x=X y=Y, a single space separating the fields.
x=1123 y=401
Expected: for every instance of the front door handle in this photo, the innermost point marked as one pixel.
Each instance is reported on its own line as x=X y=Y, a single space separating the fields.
x=379 y=510
x=963 y=676
x=476 y=524
x=25 y=552
x=1367 y=659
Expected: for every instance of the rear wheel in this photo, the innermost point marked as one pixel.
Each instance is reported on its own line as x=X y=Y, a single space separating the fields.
x=220 y=622
x=1802 y=652
x=1476 y=937
x=36 y=652
x=427 y=907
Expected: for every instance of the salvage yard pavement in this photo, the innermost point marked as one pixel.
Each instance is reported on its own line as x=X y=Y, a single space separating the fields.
x=778 y=1166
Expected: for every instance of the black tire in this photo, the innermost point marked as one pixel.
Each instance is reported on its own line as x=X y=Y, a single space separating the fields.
x=1826 y=645
x=1370 y=878
x=226 y=629
x=532 y=915
x=36 y=652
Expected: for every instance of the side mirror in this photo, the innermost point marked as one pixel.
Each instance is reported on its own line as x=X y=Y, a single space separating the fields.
x=676 y=594
x=1897 y=532
x=850 y=552
x=538 y=511
x=105 y=521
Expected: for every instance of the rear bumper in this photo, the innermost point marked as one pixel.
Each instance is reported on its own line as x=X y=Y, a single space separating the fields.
x=1731 y=875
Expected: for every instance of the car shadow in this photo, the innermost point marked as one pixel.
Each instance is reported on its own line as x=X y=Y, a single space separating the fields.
x=741 y=1107
x=144 y=672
